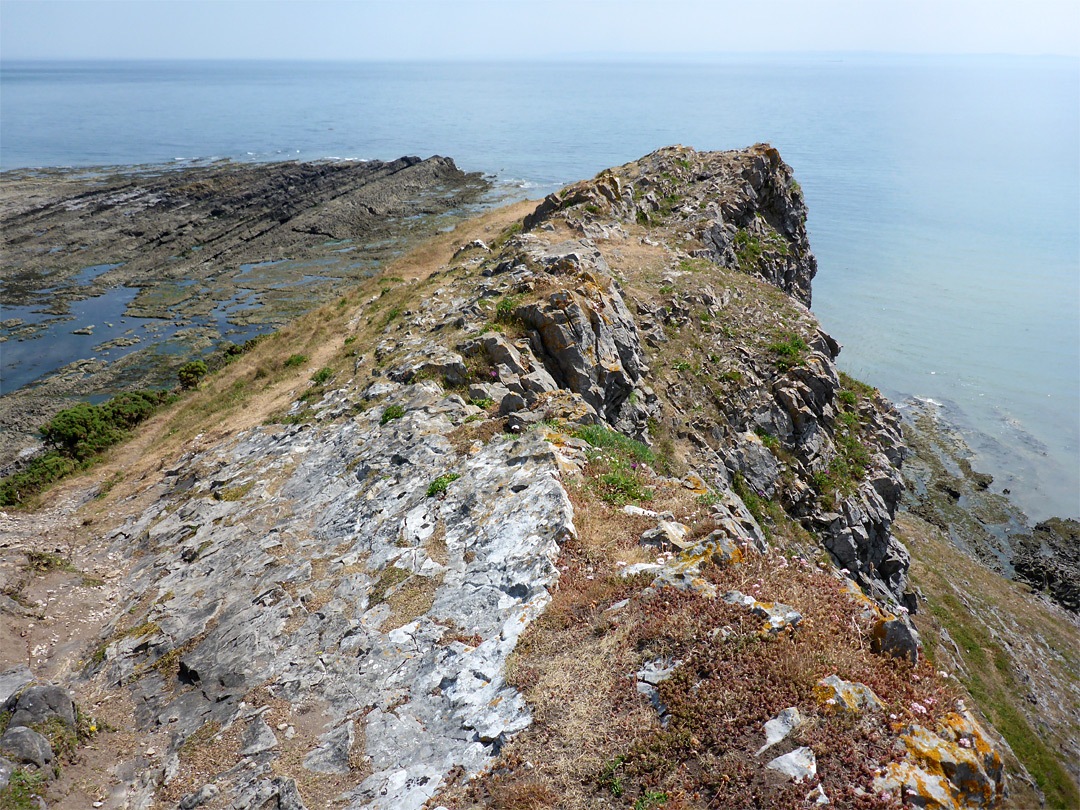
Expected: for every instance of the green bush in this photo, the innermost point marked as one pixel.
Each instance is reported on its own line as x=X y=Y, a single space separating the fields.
x=439 y=485
x=76 y=435
x=190 y=374
x=392 y=412
x=83 y=430
x=322 y=375
x=505 y=309
x=294 y=360
x=39 y=473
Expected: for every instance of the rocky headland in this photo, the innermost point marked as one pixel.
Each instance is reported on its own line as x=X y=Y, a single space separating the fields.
x=568 y=508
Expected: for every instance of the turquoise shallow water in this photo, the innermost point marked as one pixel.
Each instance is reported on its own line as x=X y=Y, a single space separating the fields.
x=944 y=191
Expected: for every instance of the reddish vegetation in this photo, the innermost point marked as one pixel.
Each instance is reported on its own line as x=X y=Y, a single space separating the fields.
x=595 y=737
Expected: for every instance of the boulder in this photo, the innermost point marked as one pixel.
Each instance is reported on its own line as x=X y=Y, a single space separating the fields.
x=12 y=681
x=257 y=737
x=25 y=746
x=667 y=535
x=837 y=695
x=895 y=637
x=39 y=704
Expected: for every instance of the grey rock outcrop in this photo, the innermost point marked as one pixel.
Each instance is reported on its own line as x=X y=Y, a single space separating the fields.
x=359 y=597
x=24 y=745
x=744 y=206
x=38 y=704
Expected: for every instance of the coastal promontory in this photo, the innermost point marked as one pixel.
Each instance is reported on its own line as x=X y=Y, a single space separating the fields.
x=569 y=506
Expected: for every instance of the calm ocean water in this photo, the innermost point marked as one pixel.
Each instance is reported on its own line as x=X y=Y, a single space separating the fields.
x=944 y=192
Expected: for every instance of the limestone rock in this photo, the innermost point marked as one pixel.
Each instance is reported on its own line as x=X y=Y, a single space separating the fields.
x=652 y=675
x=778 y=617
x=956 y=767
x=780 y=727
x=6 y=768
x=13 y=681
x=895 y=637
x=332 y=754
x=257 y=738
x=756 y=463
x=351 y=596
x=38 y=704
x=204 y=795
x=798 y=765
x=668 y=534
x=837 y=695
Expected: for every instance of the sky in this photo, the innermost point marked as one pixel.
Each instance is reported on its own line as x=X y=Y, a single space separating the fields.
x=529 y=29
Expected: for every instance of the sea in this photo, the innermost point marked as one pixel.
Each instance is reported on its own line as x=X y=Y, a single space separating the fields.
x=944 y=191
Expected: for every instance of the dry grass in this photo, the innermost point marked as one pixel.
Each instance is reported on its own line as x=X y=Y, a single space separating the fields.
x=411 y=599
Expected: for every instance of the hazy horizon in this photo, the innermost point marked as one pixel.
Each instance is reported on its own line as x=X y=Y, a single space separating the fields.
x=500 y=30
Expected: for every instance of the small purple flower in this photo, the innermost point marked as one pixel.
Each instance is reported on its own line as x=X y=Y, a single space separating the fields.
x=494 y=373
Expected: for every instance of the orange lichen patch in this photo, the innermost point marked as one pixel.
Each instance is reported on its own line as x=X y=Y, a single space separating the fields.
x=957 y=759
x=904 y=779
x=684 y=572
x=836 y=695
x=565 y=405
x=696 y=484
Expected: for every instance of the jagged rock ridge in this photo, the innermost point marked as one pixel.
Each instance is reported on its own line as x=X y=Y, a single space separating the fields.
x=370 y=564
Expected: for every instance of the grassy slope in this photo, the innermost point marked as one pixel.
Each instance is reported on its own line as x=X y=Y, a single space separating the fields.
x=1014 y=649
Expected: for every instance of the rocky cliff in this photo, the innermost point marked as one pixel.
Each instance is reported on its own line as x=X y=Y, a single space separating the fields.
x=579 y=513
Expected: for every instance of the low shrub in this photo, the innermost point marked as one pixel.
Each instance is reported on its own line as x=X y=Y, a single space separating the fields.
x=790 y=351
x=76 y=435
x=190 y=374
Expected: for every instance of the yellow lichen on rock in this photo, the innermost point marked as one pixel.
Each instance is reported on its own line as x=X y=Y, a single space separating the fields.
x=957 y=756
x=835 y=694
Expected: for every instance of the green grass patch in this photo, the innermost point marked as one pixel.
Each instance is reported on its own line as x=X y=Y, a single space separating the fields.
x=23 y=791
x=607 y=439
x=391 y=314
x=322 y=375
x=622 y=486
x=294 y=360
x=440 y=484
x=790 y=352
x=391 y=412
